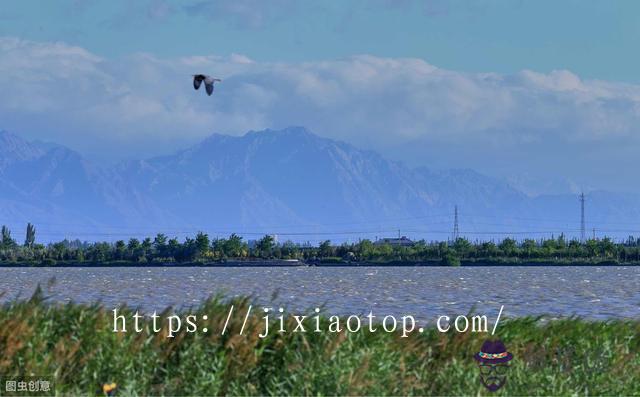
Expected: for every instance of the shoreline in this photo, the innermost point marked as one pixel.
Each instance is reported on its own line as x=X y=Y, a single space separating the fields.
x=317 y=263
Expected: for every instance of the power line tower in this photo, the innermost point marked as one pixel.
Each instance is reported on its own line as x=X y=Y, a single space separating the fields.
x=582 y=225
x=456 y=230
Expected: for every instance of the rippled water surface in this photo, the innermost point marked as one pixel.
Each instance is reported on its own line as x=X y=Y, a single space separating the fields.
x=592 y=292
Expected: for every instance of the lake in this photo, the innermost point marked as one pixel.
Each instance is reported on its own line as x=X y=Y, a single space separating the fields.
x=592 y=292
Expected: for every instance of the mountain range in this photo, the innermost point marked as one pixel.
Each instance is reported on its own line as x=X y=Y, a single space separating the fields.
x=290 y=182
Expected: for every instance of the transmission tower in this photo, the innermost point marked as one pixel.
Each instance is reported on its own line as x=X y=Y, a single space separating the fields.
x=456 y=231
x=582 y=225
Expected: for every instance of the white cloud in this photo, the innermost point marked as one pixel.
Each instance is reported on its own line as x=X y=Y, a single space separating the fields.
x=143 y=104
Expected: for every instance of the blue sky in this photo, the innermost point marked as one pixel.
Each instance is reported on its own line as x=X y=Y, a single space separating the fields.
x=595 y=39
x=543 y=93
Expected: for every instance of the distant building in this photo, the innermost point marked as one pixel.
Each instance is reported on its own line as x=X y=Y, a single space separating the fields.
x=395 y=241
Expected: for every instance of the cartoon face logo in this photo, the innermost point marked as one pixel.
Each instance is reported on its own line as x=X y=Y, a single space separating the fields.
x=493 y=361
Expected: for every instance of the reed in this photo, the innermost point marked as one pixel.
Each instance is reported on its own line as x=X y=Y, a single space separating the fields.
x=75 y=345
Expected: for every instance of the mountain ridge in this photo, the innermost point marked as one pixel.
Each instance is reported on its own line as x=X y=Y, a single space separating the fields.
x=272 y=181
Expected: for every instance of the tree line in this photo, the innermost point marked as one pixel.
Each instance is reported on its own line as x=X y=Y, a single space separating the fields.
x=201 y=248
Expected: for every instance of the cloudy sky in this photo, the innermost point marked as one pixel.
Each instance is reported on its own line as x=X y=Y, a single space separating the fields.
x=544 y=93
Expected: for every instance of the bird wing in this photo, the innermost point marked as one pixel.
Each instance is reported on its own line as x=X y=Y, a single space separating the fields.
x=197 y=80
x=209 y=87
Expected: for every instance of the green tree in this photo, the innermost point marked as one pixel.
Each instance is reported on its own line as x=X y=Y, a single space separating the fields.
x=173 y=248
x=265 y=246
x=549 y=247
x=607 y=247
x=135 y=249
x=100 y=252
x=160 y=245
x=120 y=249
x=592 y=247
x=219 y=248
x=529 y=247
x=58 y=250
x=364 y=250
x=462 y=246
x=561 y=242
x=30 y=238
x=7 y=241
x=146 y=246
x=325 y=249
x=234 y=247
x=290 y=250
x=133 y=245
x=202 y=244
x=508 y=246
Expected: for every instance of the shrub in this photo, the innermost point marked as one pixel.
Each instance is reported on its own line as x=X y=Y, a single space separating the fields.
x=451 y=260
x=48 y=262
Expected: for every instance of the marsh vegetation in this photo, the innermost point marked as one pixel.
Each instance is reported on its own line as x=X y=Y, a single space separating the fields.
x=75 y=345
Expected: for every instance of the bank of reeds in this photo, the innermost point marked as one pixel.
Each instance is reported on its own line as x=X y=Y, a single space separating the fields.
x=75 y=345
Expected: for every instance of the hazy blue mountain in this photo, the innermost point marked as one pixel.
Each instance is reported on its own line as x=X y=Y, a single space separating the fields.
x=276 y=178
x=288 y=181
x=14 y=149
x=53 y=187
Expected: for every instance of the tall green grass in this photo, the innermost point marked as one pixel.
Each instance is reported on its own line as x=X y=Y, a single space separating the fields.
x=75 y=344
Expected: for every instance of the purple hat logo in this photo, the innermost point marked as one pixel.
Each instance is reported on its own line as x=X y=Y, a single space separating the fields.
x=493 y=361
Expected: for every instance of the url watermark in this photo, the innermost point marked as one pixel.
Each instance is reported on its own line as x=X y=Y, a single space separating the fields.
x=274 y=320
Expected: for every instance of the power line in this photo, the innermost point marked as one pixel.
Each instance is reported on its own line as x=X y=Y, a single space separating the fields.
x=371 y=222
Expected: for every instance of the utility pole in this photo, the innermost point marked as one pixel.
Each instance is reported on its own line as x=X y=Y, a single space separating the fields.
x=456 y=230
x=582 y=225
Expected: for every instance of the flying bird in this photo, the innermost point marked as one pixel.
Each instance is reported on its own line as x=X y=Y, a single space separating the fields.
x=208 y=82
